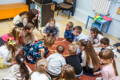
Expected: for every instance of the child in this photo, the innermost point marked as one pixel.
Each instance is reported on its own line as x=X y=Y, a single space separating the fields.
x=18 y=71
x=55 y=62
x=7 y=52
x=88 y=57
x=68 y=73
x=68 y=35
x=22 y=18
x=77 y=32
x=49 y=40
x=13 y=35
x=33 y=17
x=108 y=66
x=51 y=28
x=105 y=44
x=40 y=73
x=95 y=36
x=73 y=60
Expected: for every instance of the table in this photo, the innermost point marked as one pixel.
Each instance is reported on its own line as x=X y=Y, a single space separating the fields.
x=103 y=23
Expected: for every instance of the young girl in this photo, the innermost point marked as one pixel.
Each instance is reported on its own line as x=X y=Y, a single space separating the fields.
x=33 y=17
x=108 y=66
x=40 y=73
x=95 y=36
x=13 y=35
x=90 y=61
x=68 y=73
x=7 y=52
x=18 y=71
x=73 y=60
x=51 y=28
x=22 y=18
x=68 y=35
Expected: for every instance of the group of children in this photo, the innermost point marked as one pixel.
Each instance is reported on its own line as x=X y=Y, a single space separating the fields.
x=87 y=54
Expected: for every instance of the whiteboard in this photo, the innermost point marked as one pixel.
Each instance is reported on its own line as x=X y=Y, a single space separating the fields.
x=11 y=1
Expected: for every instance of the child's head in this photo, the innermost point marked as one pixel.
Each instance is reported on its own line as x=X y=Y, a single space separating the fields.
x=29 y=27
x=77 y=30
x=52 y=22
x=107 y=57
x=41 y=65
x=69 y=25
x=94 y=32
x=23 y=69
x=105 y=42
x=68 y=72
x=49 y=40
x=24 y=14
x=60 y=49
x=16 y=31
x=32 y=15
x=72 y=49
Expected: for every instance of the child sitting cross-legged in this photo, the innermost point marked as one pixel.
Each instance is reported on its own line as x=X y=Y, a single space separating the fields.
x=55 y=62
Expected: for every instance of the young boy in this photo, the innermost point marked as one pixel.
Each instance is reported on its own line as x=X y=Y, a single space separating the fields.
x=68 y=35
x=55 y=62
x=77 y=32
x=105 y=44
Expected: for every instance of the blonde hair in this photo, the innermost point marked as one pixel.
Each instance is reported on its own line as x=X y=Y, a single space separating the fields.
x=49 y=41
x=68 y=72
x=72 y=49
x=41 y=65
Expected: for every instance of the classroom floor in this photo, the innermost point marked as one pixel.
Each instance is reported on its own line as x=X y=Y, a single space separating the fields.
x=61 y=20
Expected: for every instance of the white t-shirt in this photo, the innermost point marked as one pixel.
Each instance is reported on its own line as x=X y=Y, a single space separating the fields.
x=80 y=37
x=39 y=76
x=5 y=54
x=14 y=73
x=17 y=19
x=55 y=62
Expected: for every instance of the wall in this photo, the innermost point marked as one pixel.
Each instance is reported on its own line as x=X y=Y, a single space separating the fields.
x=84 y=8
x=11 y=1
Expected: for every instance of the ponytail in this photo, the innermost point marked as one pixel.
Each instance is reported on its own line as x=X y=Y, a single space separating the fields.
x=24 y=71
x=115 y=68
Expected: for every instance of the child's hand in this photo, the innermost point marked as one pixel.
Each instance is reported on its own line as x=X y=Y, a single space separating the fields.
x=96 y=73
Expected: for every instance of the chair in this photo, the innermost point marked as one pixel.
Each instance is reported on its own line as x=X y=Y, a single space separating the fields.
x=67 y=5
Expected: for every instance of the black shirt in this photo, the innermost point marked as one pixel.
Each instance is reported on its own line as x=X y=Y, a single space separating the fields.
x=74 y=61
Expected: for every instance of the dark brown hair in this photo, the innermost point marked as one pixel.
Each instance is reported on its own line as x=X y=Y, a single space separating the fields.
x=90 y=53
x=95 y=31
x=23 y=68
x=60 y=49
x=23 y=13
x=108 y=54
x=105 y=41
x=78 y=28
x=31 y=14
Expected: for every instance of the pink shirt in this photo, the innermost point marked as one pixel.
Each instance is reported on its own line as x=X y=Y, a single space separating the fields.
x=108 y=72
x=5 y=37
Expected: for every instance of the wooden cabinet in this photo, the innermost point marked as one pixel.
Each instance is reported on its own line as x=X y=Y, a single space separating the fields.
x=46 y=11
